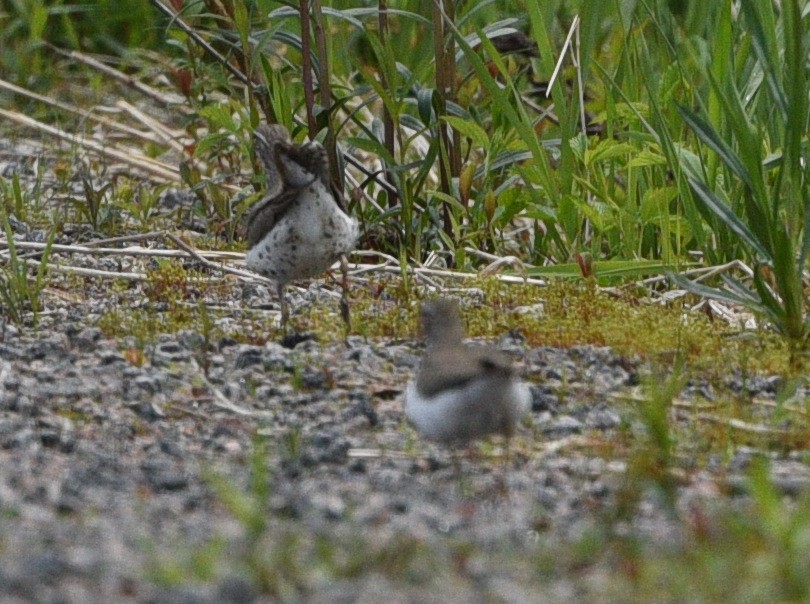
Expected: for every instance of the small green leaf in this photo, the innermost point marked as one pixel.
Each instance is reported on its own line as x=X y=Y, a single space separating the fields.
x=655 y=202
x=607 y=150
x=469 y=129
x=372 y=146
x=219 y=116
x=645 y=158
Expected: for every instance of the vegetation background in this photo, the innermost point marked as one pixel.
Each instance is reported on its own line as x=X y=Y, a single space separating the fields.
x=617 y=139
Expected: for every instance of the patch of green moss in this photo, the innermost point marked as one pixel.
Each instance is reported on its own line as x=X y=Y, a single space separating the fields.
x=565 y=314
x=561 y=314
x=172 y=304
x=79 y=418
x=145 y=324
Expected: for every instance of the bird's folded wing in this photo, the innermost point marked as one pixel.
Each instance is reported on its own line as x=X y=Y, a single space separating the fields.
x=456 y=367
x=265 y=215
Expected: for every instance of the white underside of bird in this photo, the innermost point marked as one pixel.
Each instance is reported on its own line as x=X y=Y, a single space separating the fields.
x=475 y=409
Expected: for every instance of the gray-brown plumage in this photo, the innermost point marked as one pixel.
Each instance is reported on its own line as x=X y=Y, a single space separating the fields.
x=462 y=392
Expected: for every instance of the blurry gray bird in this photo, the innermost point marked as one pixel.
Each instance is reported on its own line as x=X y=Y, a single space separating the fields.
x=515 y=41
x=462 y=392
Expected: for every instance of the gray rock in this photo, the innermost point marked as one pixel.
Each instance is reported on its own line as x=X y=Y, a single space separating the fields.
x=563 y=425
x=247 y=356
x=603 y=419
x=87 y=339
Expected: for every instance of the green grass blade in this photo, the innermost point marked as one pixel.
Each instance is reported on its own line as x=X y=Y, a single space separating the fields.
x=720 y=209
x=761 y=22
x=788 y=278
x=625 y=269
x=749 y=142
x=765 y=302
x=713 y=293
x=715 y=142
x=805 y=246
x=514 y=114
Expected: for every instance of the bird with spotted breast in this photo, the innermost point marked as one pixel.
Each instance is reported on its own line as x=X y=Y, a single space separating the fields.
x=462 y=392
x=300 y=227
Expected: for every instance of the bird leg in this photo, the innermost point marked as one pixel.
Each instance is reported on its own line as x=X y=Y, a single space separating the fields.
x=502 y=479
x=345 y=311
x=283 y=305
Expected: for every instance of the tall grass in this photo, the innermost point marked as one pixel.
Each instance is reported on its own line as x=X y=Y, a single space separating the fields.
x=751 y=179
x=20 y=292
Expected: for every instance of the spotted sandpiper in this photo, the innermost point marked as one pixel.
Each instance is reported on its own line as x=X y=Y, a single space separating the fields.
x=462 y=392
x=300 y=228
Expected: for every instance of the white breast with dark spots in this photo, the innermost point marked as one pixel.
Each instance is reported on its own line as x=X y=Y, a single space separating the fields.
x=310 y=237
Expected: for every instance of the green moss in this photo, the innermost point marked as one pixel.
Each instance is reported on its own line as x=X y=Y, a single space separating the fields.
x=565 y=314
x=79 y=418
x=561 y=314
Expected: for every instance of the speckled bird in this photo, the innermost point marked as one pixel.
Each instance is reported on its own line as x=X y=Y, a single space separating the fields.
x=300 y=228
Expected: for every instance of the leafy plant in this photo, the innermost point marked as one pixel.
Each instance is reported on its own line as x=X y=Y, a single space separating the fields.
x=94 y=207
x=19 y=293
x=760 y=199
x=140 y=202
x=651 y=464
x=272 y=563
x=14 y=202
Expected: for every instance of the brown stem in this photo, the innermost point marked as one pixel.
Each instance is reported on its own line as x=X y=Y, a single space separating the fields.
x=444 y=72
x=306 y=69
x=450 y=58
x=388 y=121
x=325 y=87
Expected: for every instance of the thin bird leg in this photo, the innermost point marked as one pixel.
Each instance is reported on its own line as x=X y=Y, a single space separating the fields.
x=464 y=481
x=457 y=475
x=502 y=480
x=283 y=305
x=345 y=311
x=454 y=454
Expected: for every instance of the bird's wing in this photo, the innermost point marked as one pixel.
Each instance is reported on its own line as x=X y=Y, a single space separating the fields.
x=266 y=140
x=288 y=169
x=313 y=158
x=296 y=166
x=453 y=367
x=266 y=213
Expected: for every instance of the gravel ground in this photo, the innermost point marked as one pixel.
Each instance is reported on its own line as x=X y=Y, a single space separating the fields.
x=106 y=467
x=111 y=471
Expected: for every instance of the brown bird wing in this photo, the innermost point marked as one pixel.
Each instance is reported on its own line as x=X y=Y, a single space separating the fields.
x=453 y=367
x=313 y=158
x=274 y=149
x=267 y=138
x=264 y=215
x=288 y=168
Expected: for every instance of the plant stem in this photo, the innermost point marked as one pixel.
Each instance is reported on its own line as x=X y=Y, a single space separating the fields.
x=388 y=122
x=325 y=87
x=306 y=69
x=443 y=49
